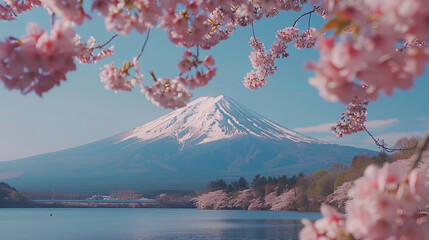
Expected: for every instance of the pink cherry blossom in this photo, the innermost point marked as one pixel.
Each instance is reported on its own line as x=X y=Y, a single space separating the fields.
x=191 y=74
x=86 y=53
x=331 y=226
x=71 y=10
x=353 y=120
x=209 y=61
x=263 y=64
x=124 y=16
x=307 y=39
x=375 y=62
x=12 y=8
x=39 y=60
x=287 y=34
x=382 y=206
x=166 y=93
x=253 y=81
x=117 y=79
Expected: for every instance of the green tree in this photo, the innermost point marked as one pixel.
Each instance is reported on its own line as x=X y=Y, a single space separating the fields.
x=219 y=184
x=258 y=185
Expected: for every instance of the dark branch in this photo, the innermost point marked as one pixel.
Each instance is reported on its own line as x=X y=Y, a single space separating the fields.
x=144 y=44
x=153 y=76
x=52 y=19
x=253 y=31
x=382 y=145
x=108 y=41
x=307 y=13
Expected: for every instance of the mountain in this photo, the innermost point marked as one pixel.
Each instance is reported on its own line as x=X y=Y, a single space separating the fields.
x=210 y=119
x=211 y=138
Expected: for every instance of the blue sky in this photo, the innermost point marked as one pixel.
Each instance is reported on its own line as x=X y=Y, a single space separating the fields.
x=82 y=111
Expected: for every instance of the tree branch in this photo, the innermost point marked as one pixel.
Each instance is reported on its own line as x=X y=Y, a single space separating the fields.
x=144 y=44
x=52 y=19
x=296 y=21
x=383 y=146
x=253 y=31
x=108 y=41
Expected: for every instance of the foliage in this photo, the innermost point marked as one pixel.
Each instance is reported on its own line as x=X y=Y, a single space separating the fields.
x=10 y=197
x=219 y=184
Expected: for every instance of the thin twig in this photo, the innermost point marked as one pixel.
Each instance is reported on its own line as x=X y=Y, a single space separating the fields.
x=296 y=21
x=144 y=44
x=253 y=31
x=52 y=19
x=309 y=21
x=384 y=147
x=108 y=41
x=424 y=143
x=153 y=76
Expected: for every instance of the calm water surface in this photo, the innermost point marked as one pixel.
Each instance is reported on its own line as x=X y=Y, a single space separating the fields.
x=111 y=223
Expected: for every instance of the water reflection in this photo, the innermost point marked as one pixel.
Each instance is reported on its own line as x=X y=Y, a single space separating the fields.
x=236 y=229
x=142 y=224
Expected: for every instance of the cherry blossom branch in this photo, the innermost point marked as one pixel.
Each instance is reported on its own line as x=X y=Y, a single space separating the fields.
x=108 y=41
x=144 y=45
x=307 y=13
x=253 y=31
x=382 y=145
x=424 y=143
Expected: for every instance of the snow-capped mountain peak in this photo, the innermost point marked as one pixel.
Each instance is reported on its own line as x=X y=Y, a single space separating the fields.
x=209 y=119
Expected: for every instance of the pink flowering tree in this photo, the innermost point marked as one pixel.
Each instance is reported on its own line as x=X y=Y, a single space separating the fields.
x=366 y=47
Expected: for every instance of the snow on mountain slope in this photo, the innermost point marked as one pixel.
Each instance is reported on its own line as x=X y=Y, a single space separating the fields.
x=209 y=119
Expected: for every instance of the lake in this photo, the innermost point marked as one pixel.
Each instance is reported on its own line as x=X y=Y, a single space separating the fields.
x=149 y=223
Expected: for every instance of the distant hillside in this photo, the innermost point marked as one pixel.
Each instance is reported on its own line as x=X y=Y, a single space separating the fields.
x=11 y=198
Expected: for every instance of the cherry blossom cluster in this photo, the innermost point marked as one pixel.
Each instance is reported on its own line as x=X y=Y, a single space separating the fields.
x=414 y=43
x=70 y=10
x=263 y=62
x=86 y=53
x=117 y=79
x=384 y=204
x=168 y=94
x=307 y=39
x=165 y=93
x=366 y=52
x=353 y=120
x=11 y=8
x=189 y=63
x=187 y=23
x=124 y=15
x=39 y=60
x=174 y=93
